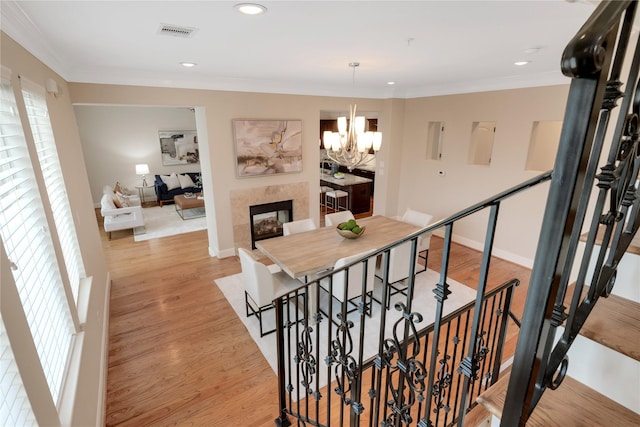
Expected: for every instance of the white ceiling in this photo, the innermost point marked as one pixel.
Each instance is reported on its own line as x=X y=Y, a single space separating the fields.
x=303 y=47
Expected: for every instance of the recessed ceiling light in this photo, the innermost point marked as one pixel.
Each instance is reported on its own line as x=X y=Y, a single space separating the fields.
x=188 y=64
x=250 y=8
x=391 y=83
x=522 y=63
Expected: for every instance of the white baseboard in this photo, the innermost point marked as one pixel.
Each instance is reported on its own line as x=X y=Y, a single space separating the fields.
x=225 y=253
x=101 y=412
x=497 y=252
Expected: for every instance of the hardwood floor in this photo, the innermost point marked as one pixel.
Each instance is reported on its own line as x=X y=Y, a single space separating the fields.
x=179 y=355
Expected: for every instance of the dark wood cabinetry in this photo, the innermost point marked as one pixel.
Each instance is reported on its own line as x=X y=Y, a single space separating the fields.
x=359 y=192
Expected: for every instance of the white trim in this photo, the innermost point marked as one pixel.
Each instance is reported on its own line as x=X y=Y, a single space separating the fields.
x=70 y=389
x=496 y=252
x=19 y=27
x=101 y=411
x=84 y=293
x=224 y=253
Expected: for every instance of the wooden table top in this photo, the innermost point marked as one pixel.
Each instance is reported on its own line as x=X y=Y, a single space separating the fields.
x=307 y=253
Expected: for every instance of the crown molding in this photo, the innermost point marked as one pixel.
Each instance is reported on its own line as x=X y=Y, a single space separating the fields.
x=17 y=25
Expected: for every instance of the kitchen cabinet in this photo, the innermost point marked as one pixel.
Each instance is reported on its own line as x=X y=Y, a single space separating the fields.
x=359 y=189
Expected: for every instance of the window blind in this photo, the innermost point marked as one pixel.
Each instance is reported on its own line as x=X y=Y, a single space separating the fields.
x=28 y=244
x=15 y=409
x=38 y=113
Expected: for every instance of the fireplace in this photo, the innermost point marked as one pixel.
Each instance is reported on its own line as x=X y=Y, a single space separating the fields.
x=266 y=220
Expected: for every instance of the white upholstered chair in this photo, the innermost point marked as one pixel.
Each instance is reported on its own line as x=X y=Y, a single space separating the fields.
x=300 y=226
x=262 y=285
x=420 y=219
x=347 y=286
x=333 y=219
x=399 y=264
x=295 y=227
x=120 y=218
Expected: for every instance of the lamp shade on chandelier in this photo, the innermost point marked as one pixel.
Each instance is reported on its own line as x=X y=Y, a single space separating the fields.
x=350 y=147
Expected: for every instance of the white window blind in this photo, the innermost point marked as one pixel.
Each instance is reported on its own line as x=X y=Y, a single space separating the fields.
x=28 y=244
x=15 y=409
x=38 y=113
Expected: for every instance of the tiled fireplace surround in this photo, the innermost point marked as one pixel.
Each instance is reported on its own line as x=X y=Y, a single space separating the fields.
x=242 y=199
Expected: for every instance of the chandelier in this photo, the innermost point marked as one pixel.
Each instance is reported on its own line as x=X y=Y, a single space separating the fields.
x=351 y=147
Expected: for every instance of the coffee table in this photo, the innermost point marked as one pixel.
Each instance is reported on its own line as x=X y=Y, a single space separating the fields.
x=189 y=207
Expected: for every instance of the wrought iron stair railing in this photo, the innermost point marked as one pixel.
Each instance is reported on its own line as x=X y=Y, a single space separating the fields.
x=419 y=375
x=405 y=384
x=595 y=59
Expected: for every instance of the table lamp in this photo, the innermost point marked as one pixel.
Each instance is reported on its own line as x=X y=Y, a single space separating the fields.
x=142 y=169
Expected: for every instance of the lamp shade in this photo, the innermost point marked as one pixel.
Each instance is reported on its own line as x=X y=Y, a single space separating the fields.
x=377 y=141
x=360 y=125
x=327 y=139
x=142 y=169
x=342 y=124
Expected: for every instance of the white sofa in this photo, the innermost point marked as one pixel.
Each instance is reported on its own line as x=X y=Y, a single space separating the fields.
x=120 y=218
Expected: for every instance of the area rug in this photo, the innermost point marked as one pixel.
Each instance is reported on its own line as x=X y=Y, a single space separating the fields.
x=165 y=221
x=424 y=303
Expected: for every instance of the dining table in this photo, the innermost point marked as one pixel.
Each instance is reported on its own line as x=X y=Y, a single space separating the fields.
x=305 y=254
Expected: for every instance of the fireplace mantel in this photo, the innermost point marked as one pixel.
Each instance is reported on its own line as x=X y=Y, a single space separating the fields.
x=242 y=199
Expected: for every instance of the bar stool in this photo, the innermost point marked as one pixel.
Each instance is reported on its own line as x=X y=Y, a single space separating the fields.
x=332 y=200
x=323 y=191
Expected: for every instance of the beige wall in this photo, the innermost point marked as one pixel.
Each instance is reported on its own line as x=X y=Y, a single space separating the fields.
x=90 y=387
x=219 y=109
x=423 y=188
x=116 y=138
x=404 y=177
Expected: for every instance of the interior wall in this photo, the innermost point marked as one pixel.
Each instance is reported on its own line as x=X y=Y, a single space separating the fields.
x=219 y=109
x=116 y=138
x=87 y=408
x=443 y=187
x=402 y=169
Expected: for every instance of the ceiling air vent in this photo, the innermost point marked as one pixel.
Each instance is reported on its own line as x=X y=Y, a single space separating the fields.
x=177 y=31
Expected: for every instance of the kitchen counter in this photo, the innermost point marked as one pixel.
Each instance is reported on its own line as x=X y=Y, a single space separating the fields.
x=359 y=189
x=348 y=179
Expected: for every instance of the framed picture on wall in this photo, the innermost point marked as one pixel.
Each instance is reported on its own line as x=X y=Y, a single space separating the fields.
x=179 y=147
x=266 y=147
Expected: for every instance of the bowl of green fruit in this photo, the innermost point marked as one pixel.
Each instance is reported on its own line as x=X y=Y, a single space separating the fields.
x=350 y=229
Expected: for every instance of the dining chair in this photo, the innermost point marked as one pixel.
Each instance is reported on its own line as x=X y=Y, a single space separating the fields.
x=399 y=264
x=300 y=226
x=295 y=227
x=263 y=284
x=346 y=286
x=420 y=219
x=333 y=219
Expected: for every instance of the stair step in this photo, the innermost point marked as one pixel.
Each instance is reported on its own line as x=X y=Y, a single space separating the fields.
x=615 y=323
x=477 y=417
x=573 y=404
x=634 y=247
